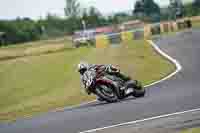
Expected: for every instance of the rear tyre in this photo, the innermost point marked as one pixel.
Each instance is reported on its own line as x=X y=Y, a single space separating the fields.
x=139 y=90
x=139 y=93
x=107 y=93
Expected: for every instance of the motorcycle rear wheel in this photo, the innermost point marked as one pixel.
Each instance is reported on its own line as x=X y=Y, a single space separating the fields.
x=139 y=90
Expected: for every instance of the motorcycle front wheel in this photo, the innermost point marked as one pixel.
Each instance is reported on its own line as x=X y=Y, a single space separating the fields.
x=107 y=93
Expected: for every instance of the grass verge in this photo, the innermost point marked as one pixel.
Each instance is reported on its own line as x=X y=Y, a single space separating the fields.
x=196 y=24
x=34 y=48
x=35 y=84
x=193 y=130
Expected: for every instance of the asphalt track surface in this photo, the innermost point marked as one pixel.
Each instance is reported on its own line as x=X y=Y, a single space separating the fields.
x=173 y=123
x=179 y=93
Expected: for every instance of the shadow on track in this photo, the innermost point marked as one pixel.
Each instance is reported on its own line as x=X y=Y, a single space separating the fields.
x=99 y=104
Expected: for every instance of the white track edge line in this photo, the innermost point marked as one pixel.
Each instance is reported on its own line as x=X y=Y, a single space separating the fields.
x=143 y=120
x=174 y=61
x=178 y=69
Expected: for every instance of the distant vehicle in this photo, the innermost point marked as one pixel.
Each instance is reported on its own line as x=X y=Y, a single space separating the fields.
x=82 y=38
x=86 y=37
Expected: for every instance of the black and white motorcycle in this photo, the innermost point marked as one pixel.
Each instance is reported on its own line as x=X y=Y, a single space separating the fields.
x=111 y=88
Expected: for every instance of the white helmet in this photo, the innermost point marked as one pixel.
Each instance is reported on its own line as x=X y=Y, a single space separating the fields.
x=82 y=67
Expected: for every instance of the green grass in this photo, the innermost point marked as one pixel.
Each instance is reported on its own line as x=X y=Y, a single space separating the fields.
x=196 y=24
x=22 y=46
x=35 y=84
x=34 y=48
x=193 y=130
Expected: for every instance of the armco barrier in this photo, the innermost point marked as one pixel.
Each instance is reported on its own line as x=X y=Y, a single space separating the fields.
x=115 y=38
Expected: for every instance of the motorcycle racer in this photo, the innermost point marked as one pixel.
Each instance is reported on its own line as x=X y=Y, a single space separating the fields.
x=109 y=69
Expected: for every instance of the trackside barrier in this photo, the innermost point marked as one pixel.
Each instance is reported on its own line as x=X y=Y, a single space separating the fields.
x=127 y=36
x=147 y=31
x=171 y=29
x=155 y=29
x=162 y=28
x=166 y=27
x=184 y=23
x=174 y=26
x=181 y=25
x=189 y=23
x=102 y=41
x=115 y=38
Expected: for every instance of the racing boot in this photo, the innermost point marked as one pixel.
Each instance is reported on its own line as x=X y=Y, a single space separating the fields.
x=129 y=91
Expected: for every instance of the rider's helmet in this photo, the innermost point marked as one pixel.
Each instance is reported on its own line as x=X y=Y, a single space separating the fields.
x=82 y=67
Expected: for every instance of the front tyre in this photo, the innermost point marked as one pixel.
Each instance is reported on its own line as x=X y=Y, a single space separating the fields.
x=106 y=92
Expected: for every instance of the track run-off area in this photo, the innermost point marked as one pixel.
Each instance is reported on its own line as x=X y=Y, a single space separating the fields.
x=180 y=92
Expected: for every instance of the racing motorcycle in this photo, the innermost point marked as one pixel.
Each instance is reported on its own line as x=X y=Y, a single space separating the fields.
x=111 y=88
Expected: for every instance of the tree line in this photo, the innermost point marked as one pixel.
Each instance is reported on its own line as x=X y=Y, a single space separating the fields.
x=25 y=29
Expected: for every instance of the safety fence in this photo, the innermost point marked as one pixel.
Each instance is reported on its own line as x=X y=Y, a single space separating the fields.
x=149 y=30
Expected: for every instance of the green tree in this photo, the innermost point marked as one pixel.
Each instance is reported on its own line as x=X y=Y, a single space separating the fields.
x=190 y=10
x=72 y=24
x=72 y=8
x=72 y=12
x=146 y=9
x=139 y=7
x=121 y=17
x=20 y=30
x=93 y=18
x=150 y=7
x=196 y=5
x=176 y=9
